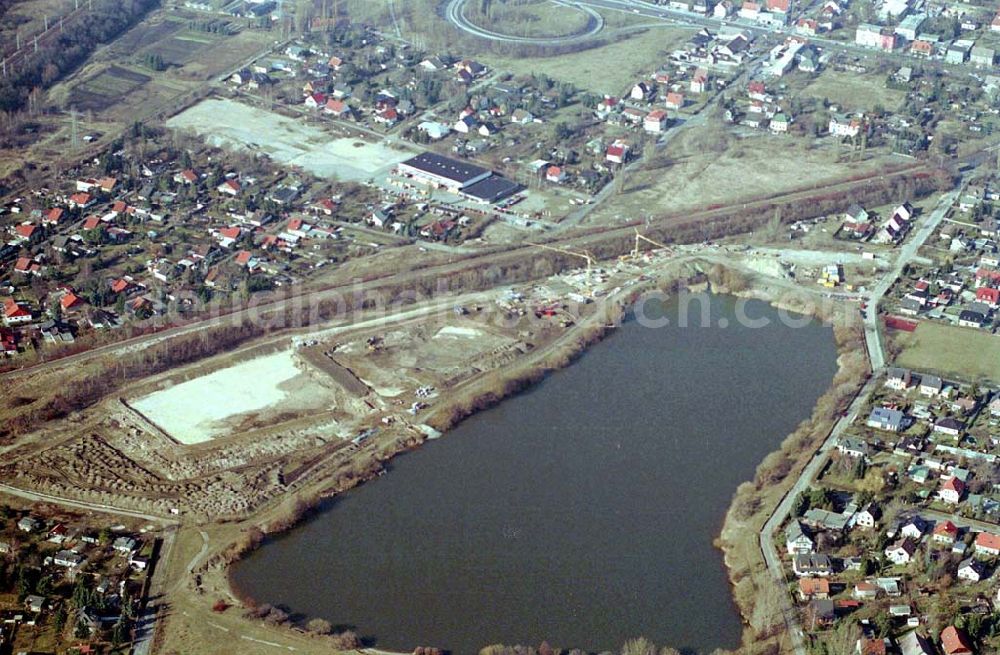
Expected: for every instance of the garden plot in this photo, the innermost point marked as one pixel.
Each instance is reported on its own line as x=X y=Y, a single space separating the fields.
x=244 y=396
x=226 y=123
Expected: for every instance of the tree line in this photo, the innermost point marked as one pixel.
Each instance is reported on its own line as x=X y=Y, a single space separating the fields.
x=71 y=47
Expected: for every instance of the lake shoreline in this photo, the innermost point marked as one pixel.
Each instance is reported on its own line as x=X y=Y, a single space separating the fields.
x=523 y=377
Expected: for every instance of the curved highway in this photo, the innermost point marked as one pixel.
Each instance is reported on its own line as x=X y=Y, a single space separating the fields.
x=455 y=13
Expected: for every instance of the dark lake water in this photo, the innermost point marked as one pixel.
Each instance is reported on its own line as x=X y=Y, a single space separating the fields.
x=581 y=512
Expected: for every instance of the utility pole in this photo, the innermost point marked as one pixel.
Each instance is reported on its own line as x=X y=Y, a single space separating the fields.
x=36 y=43
x=45 y=18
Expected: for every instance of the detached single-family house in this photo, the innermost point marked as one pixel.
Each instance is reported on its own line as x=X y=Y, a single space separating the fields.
x=949 y=426
x=915 y=644
x=931 y=385
x=901 y=552
x=971 y=570
x=945 y=533
x=28 y=524
x=951 y=491
x=987 y=544
x=797 y=542
x=899 y=379
x=811 y=588
x=67 y=559
x=883 y=418
x=956 y=642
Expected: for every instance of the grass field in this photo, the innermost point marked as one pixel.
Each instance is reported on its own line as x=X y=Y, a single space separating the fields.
x=607 y=69
x=539 y=18
x=966 y=352
x=854 y=91
x=705 y=165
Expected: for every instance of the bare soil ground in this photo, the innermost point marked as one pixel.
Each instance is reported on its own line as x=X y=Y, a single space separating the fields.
x=295 y=143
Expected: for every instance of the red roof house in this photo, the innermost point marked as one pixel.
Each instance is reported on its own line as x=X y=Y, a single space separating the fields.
x=70 y=301
x=989 y=296
x=80 y=199
x=955 y=642
x=53 y=216
x=28 y=231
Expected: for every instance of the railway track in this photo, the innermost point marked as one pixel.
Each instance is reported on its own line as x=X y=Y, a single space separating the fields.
x=593 y=239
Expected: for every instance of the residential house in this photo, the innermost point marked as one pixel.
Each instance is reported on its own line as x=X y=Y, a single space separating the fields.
x=617 y=152
x=821 y=612
x=28 y=524
x=915 y=644
x=914 y=529
x=779 y=123
x=34 y=603
x=842 y=126
x=229 y=187
x=931 y=385
x=852 y=447
x=874 y=36
x=901 y=552
x=871 y=646
x=956 y=642
x=899 y=379
x=67 y=559
x=866 y=590
x=811 y=588
x=797 y=541
x=971 y=570
x=949 y=426
x=945 y=532
x=987 y=544
x=812 y=565
x=868 y=517
x=883 y=418
x=971 y=318
x=982 y=56
x=951 y=491
x=14 y=313
x=655 y=121
x=958 y=52
x=640 y=92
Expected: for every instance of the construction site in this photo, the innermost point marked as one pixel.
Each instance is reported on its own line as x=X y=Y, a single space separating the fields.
x=218 y=438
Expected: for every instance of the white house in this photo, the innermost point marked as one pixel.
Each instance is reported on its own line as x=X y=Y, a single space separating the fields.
x=901 y=552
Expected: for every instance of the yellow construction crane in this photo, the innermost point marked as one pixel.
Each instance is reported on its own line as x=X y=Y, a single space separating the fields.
x=582 y=255
x=641 y=237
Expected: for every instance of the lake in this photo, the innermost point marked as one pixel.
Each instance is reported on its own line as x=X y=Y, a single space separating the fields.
x=581 y=512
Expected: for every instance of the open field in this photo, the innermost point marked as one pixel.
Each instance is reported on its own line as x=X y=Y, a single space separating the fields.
x=537 y=18
x=181 y=49
x=705 y=166
x=965 y=352
x=227 y=123
x=854 y=91
x=606 y=69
